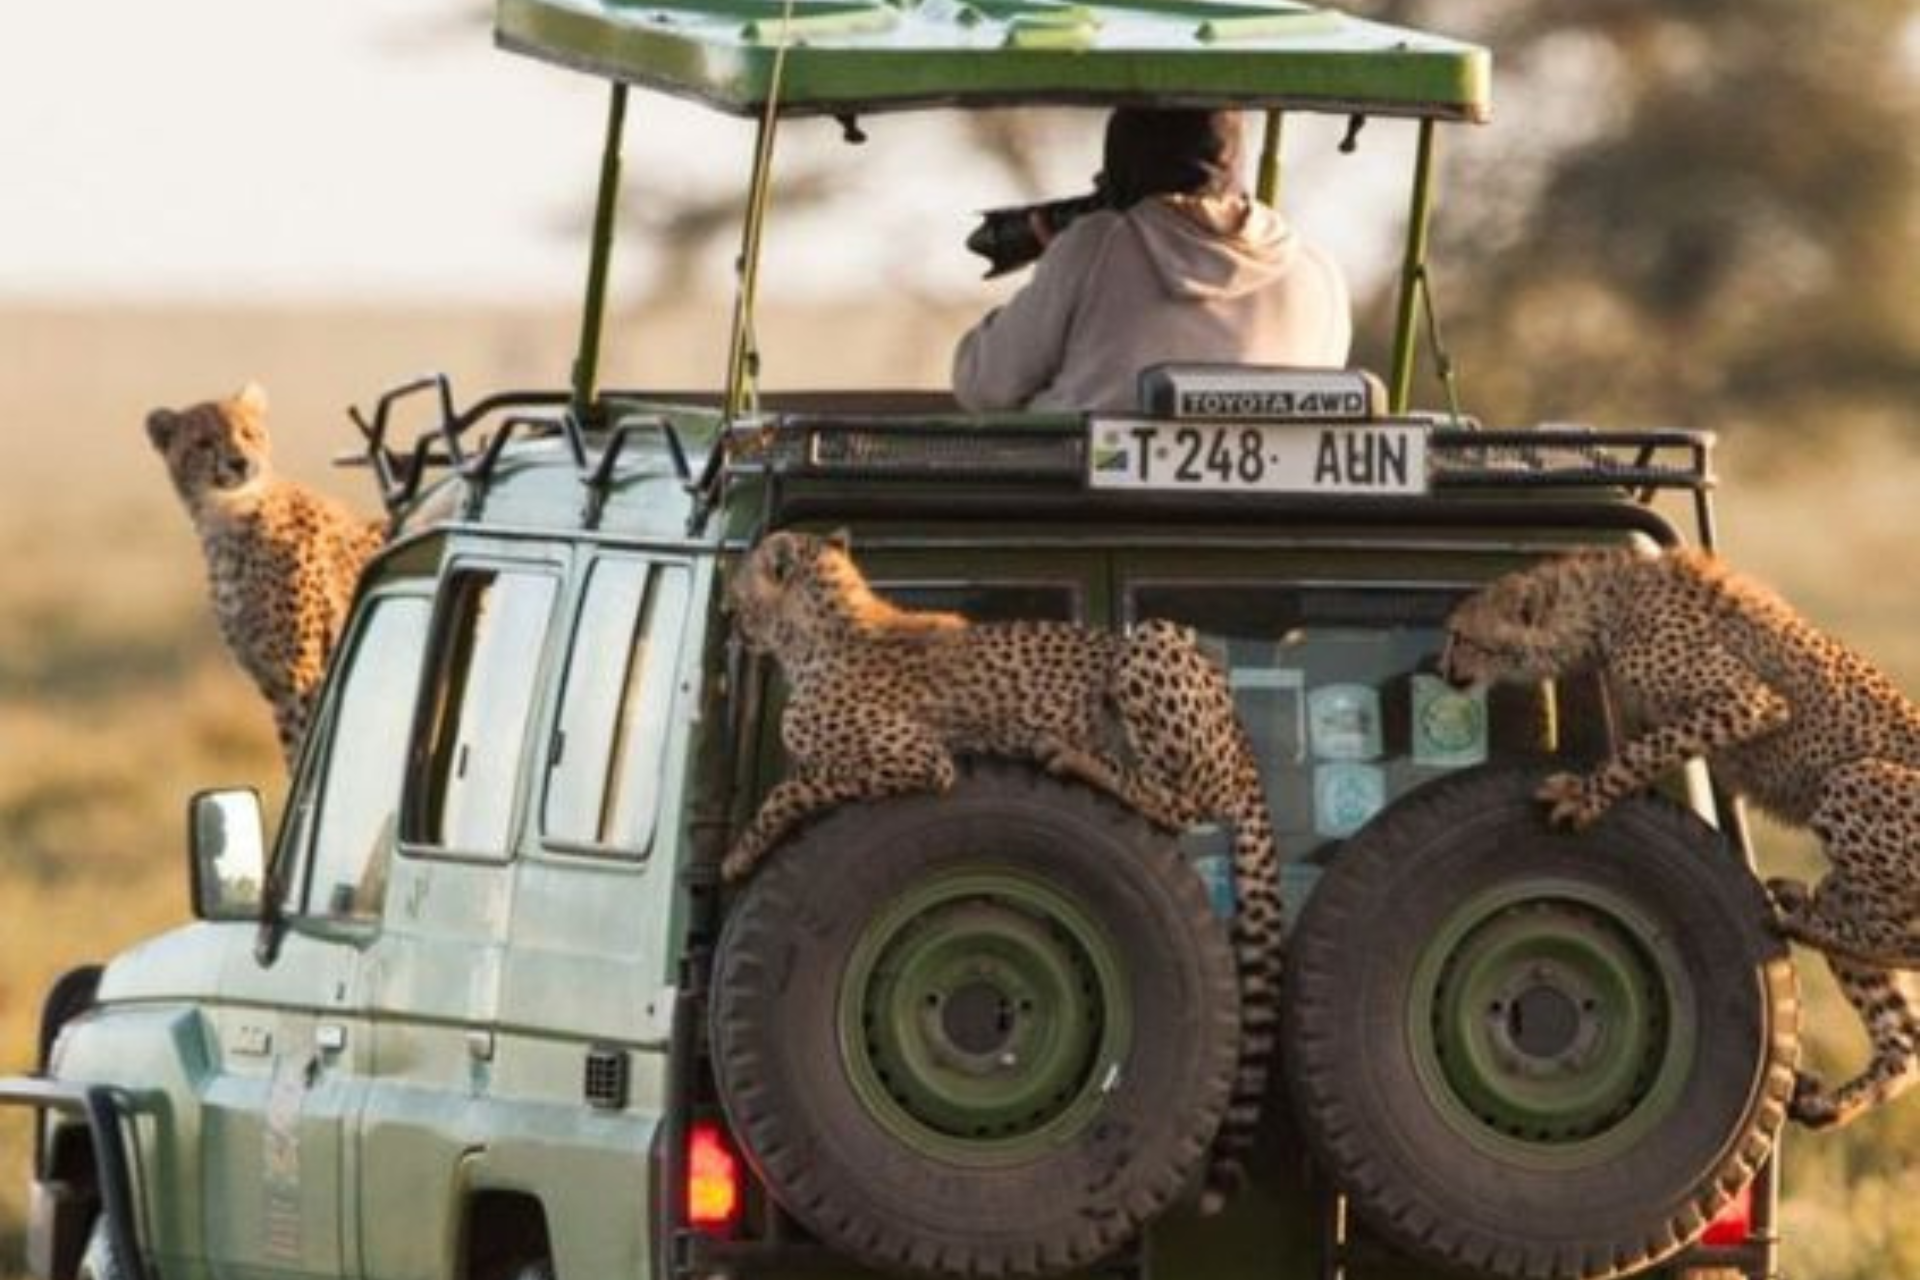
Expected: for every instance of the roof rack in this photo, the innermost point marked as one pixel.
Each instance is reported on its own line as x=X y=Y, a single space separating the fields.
x=932 y=449
x=1052 y=454
x=456 y=442
x=949 y=449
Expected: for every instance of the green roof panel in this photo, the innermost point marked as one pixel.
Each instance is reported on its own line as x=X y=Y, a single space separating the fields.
x=873 y=55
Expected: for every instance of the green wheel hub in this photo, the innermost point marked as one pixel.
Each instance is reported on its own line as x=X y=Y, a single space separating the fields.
x=982 y=1015
x=1552 y=1023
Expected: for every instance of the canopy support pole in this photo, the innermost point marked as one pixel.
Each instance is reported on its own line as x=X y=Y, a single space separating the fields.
x=742 y=372
x=1267 y=189
x=586 y=364
x=1413 y=270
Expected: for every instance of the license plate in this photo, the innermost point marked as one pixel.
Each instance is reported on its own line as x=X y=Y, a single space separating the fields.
x=1371 y=459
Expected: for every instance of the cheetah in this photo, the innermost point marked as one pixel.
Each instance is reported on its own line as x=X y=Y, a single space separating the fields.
x=881 y=699
x=282 y=560
x=1715 y=665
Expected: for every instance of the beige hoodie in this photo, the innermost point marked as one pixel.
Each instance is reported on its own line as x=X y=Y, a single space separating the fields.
x=1172 y=278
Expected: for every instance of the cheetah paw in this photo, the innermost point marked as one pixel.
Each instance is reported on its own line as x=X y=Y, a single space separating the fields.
x=1570 y=801
x=1791 y=898
x=1812 y=1106
x=738 y=863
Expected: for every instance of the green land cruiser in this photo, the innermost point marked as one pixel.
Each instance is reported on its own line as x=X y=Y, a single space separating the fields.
x=484 y=1008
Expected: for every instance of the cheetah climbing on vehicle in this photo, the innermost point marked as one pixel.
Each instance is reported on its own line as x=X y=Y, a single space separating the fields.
x=1714 y=665
x=282 y=560
x=882 y=699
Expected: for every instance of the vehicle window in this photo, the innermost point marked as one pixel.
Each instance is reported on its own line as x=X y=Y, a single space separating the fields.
x=493 y=627
x=359 y=792
x=1340 y=692
x=989 y=601
x=603 y=775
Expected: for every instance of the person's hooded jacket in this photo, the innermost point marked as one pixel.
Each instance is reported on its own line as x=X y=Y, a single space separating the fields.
x=1173 y=278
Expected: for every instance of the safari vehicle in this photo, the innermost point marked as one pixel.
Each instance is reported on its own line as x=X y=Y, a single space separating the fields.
x=485 y=1008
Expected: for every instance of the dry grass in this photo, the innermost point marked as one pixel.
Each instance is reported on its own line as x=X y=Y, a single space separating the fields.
x=116 y=701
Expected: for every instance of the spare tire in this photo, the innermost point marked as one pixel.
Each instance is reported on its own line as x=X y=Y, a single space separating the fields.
x=1534 y=1053
x=985 y=1033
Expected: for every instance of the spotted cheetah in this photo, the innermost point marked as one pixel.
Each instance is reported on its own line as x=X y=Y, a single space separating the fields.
x=881 y=699
x=282 y=560
x=1715 y=665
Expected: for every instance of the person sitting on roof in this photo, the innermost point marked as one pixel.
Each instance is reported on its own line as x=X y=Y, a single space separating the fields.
x=1185 y=266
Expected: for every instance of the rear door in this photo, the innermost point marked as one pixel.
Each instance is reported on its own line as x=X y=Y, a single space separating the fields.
x=432 y=979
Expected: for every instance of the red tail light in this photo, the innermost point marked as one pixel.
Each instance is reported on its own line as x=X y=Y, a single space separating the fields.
x=1733 y=1224
x=713 y=1180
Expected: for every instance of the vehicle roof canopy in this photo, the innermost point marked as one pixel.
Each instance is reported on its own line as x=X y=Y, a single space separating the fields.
x=845 y=56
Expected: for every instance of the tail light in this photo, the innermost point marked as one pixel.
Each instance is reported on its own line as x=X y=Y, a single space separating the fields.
x=713 y=1180
x=1734 y=1223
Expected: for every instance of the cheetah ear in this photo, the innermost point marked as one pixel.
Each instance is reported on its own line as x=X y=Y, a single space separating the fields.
x=780 y=557
x=1537 y=602
x=252 y=399
x=840 y=540
x=160 y=425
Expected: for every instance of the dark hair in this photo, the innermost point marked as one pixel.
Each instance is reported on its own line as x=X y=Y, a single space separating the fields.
x=1158 y=151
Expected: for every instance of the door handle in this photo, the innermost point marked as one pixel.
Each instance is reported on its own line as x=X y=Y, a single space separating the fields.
x=330 y=1037
x=251 y=1041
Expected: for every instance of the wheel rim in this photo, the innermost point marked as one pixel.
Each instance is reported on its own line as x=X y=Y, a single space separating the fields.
x=982 y=1016
x=1552 y=1023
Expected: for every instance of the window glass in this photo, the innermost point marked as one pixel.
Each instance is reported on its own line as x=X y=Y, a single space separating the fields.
x=1339 y=690
x=359 y=791
x=489 y=664
x=989 y=601
x=603 y=775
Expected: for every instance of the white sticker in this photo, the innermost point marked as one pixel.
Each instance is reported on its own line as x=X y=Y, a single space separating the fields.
x=1345 y=796
x=1344 y=720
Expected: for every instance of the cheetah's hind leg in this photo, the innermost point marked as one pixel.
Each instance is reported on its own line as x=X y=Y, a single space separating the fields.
x=1893 y=1027
x=912 y=766
x=1104 y=773
x=1868 y=906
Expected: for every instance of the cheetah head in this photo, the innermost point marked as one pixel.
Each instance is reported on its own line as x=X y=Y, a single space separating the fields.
x=782 y=593
x=1528 y=626
x=214 y=448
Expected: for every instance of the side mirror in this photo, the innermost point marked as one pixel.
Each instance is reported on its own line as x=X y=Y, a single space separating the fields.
x=227 y=840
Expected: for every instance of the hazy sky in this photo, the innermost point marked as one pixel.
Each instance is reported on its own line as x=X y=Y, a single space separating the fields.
x=384 y=150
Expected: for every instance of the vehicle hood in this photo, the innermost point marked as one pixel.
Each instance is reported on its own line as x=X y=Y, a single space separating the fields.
x=1213 y=248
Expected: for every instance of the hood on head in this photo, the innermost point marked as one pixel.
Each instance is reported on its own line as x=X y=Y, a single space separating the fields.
x=1213 y=247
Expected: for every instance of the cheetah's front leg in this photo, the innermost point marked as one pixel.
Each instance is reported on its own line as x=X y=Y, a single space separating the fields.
x=1738 y=706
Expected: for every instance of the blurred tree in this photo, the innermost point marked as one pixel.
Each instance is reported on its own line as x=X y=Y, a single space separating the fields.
x=1692 y=212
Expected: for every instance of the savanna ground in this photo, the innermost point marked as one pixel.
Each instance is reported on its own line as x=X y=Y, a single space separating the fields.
x=116 y=700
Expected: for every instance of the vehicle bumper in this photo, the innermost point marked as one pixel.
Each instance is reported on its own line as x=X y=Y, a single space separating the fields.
x=58 y=1206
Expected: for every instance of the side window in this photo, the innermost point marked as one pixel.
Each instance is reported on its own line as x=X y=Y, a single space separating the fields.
x=359 y=792
x=473 y=732
x=603 y=774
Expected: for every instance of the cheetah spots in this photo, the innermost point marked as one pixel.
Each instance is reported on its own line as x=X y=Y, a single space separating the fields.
x=1723 y=669
x=282 y=560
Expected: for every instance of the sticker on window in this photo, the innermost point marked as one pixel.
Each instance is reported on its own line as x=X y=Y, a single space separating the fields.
x=1273 y=707
x=1449 y=724
x=1344 y=721
x=1345 y=796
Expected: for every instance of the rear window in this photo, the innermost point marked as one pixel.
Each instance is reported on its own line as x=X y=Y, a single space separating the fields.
x=989 y=601
x=1339 y=690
